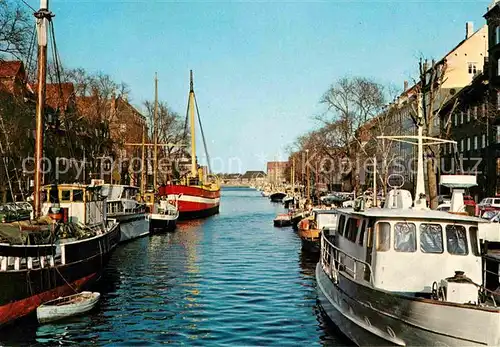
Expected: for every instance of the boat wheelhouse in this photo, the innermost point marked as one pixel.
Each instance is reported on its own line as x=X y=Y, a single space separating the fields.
x=124 y=206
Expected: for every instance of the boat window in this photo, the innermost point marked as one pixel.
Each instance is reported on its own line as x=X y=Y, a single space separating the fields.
x=341 y=225
x=352 y=229
x=405 y=237
x=77 y=195
x=431 y=238
x=362 y=233
x=473 y=241
x=383 y=236
x=54 y=195
x=456 y=240
x=65 y=195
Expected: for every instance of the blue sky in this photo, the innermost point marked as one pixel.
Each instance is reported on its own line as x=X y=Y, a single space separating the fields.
x=260 y=67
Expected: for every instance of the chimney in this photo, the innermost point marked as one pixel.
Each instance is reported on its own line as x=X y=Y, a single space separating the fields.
x=469 y=29
x=406 y=86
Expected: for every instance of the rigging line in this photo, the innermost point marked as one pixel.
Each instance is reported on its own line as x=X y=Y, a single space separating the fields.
x=31 y=48
x=58 y=68
x=24 y=2
x=202 y=134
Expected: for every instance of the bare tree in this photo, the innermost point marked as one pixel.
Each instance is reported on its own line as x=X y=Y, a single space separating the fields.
x=434 y=96
x=351 y=103
x=16 y=30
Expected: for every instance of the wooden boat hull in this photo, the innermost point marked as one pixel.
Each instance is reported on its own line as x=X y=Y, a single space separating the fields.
x=25 y=289
x=192 y=201
x=310 y=240
x=371 y=317
x=51 y=313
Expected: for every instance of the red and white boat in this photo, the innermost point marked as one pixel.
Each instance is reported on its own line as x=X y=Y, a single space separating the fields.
x=197 y=194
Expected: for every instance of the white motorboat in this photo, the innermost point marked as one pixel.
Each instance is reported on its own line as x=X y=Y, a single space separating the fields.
x=163 y=217
x=67 y=306
x=124 y=207
x=408 y=276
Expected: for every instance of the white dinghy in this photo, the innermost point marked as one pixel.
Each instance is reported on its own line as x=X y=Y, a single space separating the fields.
x=67 y=306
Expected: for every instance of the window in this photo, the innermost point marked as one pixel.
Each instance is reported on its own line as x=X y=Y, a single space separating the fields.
x=461 y=145
x=455 y=118
x=341 y=225
x=468 y=115
x=352 y=229
x=65 y=195
x=405 y=237
x=498 y=100
x=483 y=110
x=461 y=117
x=497 y=35
x=383 y=236
x=78 y=195
x=362 y=233
x=468 y=143
x=483 y=140
x=498 y=133
x=475 y=112
x=431 y=238
x=456 y=240
x=475 y=142
x=472 y=68
x=498 y=67
x=473 y=241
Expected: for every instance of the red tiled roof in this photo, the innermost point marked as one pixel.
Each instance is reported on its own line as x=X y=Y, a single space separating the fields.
x=59 y=94
x=10 y=68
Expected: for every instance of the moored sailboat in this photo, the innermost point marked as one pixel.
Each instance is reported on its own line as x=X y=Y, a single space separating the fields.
x=60 y=253
x=197 y=194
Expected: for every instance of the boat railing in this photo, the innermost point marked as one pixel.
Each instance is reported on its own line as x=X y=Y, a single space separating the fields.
x=19 y=257
x=333 y=261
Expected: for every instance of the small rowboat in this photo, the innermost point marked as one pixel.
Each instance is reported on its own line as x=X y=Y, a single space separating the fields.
x=67 y=306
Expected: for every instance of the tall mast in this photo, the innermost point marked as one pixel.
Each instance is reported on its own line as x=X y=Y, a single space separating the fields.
x=155 y=134
x=143 y=166
x=43 y=17
x=194 y=171
x=420 y=200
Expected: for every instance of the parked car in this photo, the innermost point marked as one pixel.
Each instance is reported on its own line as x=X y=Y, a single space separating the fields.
x=489 y=204
x=12 y=213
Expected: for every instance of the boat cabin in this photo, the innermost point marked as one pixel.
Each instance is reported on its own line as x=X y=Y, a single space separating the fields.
x=122 y=199
x=324 y=219
x=406 y=250
x=80 y=203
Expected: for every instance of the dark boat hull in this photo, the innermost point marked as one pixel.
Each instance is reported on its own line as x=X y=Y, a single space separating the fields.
x=279 y=223
x=157 y=226
x=22 y=291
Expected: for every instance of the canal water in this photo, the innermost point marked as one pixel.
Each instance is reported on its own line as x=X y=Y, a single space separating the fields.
x=232 y=279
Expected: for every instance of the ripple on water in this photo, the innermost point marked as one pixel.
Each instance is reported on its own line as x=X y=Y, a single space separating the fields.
x=232 y=279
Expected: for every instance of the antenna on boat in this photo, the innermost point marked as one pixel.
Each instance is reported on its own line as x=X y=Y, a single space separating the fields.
x=418 y=140
x=43 y=17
